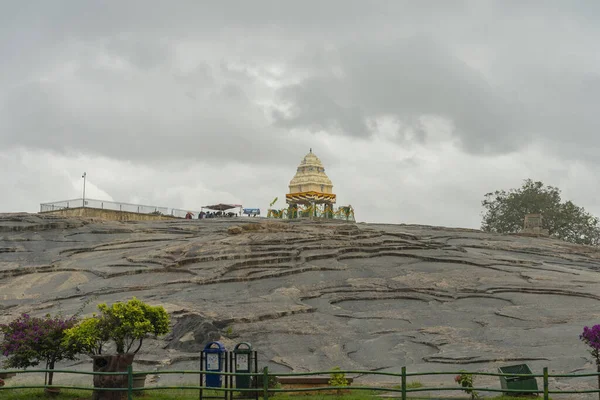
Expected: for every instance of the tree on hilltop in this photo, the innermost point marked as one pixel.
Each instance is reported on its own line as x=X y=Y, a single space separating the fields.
x=506 y=210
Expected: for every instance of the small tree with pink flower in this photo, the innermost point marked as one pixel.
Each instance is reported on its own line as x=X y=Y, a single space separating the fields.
x=591 y=337
x=465 y=380
x=29 y=341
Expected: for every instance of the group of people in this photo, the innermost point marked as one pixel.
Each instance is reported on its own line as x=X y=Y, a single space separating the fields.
x=209 y=214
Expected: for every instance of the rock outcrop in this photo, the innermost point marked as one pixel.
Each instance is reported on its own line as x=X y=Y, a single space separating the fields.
x=313 y=295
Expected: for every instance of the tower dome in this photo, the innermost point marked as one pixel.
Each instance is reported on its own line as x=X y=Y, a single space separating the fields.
x=311 y=183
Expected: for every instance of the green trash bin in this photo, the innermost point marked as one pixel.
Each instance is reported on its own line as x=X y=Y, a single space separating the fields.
x=243 y=361
x=517 y=382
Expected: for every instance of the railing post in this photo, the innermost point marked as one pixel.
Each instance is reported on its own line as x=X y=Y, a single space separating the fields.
x=403 y=383
x=546 y=397
x=266 y=383
x=546 y=383
x=129 y=382
x=598 y=370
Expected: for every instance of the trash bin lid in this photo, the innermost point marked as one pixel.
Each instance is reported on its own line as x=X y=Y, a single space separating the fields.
x=239 y=349
x=515 y=369
x=210 y=347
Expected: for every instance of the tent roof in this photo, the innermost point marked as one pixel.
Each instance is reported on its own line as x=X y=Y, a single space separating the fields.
x=222 y=207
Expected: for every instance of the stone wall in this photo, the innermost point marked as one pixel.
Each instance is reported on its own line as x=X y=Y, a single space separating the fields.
x=111 y=215
x=532 y=225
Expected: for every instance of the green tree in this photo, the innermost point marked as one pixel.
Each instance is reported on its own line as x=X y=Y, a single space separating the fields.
x=506 y=210
x=125 y=324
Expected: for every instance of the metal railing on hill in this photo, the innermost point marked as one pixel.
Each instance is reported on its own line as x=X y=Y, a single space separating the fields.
x=402 y=387
x=115 y=206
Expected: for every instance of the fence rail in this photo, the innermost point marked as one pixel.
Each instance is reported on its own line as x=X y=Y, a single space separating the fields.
x=114 y=206
x=403 y=388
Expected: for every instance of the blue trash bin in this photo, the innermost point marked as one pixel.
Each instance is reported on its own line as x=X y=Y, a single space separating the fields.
x=213 y=361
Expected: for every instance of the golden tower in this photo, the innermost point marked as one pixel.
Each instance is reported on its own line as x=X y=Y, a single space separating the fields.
x=310 y=185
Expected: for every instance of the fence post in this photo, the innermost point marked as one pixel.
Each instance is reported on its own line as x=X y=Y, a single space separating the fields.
x=129 y=382
x=266 y=383
x=403 y=383
x=546 y=383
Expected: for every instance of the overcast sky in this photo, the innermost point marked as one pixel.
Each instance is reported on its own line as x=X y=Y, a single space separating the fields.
x=416 y=108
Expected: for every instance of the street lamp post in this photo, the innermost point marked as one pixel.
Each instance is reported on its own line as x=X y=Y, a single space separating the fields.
x=83 y=176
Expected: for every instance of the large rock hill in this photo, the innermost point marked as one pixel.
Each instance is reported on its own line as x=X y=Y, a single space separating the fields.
x=313 y=295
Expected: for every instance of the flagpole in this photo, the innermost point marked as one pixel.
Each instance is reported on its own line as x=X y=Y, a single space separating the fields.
x=83 y=176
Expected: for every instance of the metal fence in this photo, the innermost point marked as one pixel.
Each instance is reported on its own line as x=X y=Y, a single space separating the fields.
x=115 y=206
x=344 y=213
x=402 y=387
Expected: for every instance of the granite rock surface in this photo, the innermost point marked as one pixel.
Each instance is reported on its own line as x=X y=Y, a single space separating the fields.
x=314 y=295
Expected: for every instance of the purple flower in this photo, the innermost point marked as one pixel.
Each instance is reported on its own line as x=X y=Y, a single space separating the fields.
x=29 y=340
x=591 y=337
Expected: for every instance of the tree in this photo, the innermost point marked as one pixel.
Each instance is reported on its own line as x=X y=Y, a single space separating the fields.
x=591 y=337
x=125 y=324
x=506 y=210
x=31 y=340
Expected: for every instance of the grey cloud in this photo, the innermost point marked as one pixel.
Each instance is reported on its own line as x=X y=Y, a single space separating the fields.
x=406 y=78
x=221 y=125
x=377 y=62
x=143 y=53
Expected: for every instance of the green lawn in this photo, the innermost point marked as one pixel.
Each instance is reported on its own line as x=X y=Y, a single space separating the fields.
x=191 y=394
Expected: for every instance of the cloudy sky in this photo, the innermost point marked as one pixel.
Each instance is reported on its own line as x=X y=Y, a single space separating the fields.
x=416 y=108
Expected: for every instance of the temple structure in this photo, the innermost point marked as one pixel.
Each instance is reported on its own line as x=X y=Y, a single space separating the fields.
x=310 y=186
x=311 y=194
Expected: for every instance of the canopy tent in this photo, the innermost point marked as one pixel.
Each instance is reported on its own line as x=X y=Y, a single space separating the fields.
x=222 y=207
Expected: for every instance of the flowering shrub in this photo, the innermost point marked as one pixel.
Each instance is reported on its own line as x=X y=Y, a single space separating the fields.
x=123 y=323
x=30 y=340
x=591 y=337
x=466 y=381
x=1 y=382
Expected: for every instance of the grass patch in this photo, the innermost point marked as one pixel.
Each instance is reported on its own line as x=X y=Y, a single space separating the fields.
x=410 y=385
x=192 y=394
x=25 y=394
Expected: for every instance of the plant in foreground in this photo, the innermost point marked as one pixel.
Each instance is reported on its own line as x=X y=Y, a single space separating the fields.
x=337 y=379
x=30 y=340
x=466 y=381
x=591 y=337
x=125 y=324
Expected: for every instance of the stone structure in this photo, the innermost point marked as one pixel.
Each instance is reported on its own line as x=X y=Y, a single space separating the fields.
x=310 y=186
x=111 y=215
x=533 y=225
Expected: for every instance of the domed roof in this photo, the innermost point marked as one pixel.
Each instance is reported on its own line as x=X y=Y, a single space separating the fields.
x=310 y=174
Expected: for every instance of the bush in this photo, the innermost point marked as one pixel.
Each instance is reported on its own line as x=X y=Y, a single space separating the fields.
x=337 y=379
x=591 y=337
x=31 y=340
x=258 y=382
x=466 y=381
x=122 y=323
